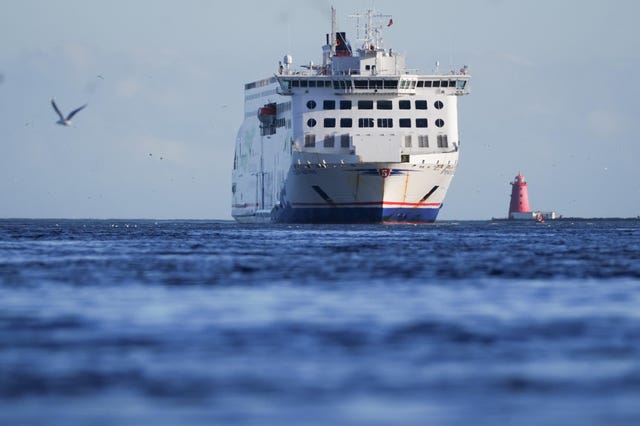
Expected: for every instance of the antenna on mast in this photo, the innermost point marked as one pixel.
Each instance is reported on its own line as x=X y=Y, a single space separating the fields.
x=372 y=30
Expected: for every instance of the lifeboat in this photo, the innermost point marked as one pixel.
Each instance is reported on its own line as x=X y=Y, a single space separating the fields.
x=267 y=114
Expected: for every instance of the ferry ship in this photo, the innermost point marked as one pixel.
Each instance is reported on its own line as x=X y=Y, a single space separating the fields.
x=358 y=138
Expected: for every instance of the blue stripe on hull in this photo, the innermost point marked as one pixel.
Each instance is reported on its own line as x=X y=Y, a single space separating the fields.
x=356 y=215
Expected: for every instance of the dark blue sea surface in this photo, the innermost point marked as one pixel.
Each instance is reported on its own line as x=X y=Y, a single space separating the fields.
x=205 y=322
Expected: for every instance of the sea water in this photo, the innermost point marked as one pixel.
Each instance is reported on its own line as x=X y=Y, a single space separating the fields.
x=208 y=322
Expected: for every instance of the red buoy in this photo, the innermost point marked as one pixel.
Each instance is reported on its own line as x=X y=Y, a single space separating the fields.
x=519 y=196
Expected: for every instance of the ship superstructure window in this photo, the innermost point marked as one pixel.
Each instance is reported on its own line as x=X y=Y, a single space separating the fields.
x=365 y=104
x=361 y=84
x=385 y=122
x=346 y=122
x=344 y=141
x=311 y=104
x=405 y=122
x=365 y=122
x=443 y=141
x=423 y=141
x=407 y=141
x=438 y=104
x=329 y=122
x=384 y=104
x=329 y=104
x=420 y=83
x=303 y=83
x=421 y=122
x=311 y=122
x=436 y=84
x=427 y=84
x=404 y=104
x=309 y=141
x=329 y=141
x=421 y=104
x=345 y=104
x=342 y=84
x=439 y=122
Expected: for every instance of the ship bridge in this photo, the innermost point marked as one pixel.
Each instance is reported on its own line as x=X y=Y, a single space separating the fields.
x=369 y=69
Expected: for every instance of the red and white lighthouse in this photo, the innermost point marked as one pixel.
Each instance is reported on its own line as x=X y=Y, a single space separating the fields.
x=519 y=206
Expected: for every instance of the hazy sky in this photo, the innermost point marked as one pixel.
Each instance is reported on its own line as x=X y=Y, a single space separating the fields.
x=552 y=96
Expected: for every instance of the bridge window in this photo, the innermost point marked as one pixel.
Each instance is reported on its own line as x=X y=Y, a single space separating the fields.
x=361 y=84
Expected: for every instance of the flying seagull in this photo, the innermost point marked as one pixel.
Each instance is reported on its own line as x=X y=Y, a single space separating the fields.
x=65 y=121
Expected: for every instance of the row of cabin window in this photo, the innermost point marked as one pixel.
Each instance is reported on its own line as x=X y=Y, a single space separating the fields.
x=369 y=122
x=380 y=104
x=375 y=84
x=345 y=140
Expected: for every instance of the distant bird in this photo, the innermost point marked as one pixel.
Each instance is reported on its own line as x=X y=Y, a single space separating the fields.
x=65 y=121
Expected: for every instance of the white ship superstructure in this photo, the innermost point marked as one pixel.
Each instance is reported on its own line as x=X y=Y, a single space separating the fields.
x=359 y=138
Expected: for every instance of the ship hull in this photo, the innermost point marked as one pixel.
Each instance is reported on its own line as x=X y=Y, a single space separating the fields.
x=347 y=215
x=365 y=193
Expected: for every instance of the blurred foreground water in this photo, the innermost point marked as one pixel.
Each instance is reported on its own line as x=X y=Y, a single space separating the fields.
x=204 y=322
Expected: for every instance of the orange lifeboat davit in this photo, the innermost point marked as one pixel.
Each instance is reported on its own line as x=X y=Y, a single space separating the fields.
x=267 y=114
